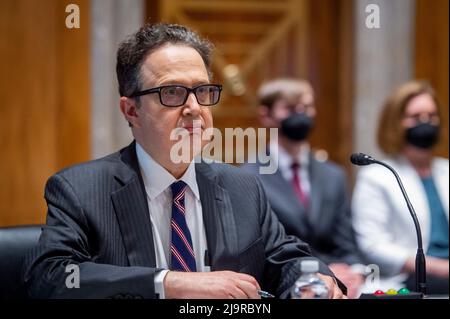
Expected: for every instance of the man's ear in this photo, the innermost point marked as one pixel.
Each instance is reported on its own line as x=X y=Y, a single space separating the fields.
x=264 y=117
x=128 y=108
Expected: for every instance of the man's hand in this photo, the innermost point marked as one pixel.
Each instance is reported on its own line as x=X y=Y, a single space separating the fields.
x=353 y=281
x=334 y=292
x=210 y=285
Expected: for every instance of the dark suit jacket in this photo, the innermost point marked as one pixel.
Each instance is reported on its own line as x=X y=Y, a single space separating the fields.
x=98 y=218
x=327 y=224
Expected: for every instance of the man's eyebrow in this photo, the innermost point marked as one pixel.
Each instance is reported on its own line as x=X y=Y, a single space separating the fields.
x=175 y=82
x=202 y=83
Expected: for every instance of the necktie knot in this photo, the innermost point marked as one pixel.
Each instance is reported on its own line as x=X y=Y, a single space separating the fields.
x=295 y=166
x=177 y=188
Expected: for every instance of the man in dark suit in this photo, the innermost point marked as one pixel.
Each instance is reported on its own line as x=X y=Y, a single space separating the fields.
x=140 y=222
x=308 y=195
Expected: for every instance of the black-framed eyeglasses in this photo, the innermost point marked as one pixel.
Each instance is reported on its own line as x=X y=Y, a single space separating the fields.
x=177 y=95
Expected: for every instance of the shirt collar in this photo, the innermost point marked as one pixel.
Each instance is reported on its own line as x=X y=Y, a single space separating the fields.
x=285 y=160
x=157 y=179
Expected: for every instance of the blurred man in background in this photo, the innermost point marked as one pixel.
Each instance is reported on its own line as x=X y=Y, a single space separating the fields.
x=309 y=196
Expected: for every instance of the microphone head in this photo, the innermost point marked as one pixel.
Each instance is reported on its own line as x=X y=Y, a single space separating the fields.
x=361 y=159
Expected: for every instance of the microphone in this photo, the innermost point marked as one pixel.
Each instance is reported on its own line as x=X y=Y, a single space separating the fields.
x=362 y=159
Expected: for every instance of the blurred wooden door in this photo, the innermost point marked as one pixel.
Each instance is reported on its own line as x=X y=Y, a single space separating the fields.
x=44 y=89
x=432 y=55
x=258 y=40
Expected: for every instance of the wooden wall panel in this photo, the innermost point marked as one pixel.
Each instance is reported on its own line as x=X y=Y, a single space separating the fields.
x=73 y=83
x=44 y=89
x=330 y=69
x=432 y=55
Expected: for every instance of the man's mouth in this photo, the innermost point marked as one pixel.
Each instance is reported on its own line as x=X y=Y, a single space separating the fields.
x=192 y=129
x=196 y=127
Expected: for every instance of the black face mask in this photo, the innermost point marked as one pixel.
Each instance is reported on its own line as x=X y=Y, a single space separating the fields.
x=297 y=126
x=424 y=135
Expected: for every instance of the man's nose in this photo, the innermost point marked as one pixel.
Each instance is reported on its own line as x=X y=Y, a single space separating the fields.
x=191 y=107
x=424 y=117
x=300 y=108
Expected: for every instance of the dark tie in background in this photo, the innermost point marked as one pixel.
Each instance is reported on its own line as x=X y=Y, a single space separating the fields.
x=182 y=253
x=302 y=197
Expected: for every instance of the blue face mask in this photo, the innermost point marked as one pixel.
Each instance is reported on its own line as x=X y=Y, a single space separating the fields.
x=423 y=135
x=297 y=126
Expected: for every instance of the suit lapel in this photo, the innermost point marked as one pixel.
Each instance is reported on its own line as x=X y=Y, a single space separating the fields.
x=284 y=191
x=131 y=207
x=220 y=224
x=284 y=199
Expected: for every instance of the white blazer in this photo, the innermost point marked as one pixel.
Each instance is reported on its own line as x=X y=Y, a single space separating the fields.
x=384 y=228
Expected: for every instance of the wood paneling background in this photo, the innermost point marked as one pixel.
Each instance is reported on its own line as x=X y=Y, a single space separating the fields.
x=44 y=89
x=432 y=55
x=44 y=76
x=330 y=70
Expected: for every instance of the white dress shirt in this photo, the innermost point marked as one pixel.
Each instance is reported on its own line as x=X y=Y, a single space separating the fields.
x=157 y=181
x=284 y=162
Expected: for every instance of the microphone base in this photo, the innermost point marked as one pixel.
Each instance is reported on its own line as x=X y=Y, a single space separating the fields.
x=411 y=295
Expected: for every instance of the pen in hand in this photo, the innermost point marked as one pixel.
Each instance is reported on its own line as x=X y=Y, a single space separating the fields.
x=265 y=294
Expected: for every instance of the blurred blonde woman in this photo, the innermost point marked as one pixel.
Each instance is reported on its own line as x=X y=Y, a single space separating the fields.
x=409 y=128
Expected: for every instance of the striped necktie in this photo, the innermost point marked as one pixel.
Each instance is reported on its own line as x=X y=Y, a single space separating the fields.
x=182 y=253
